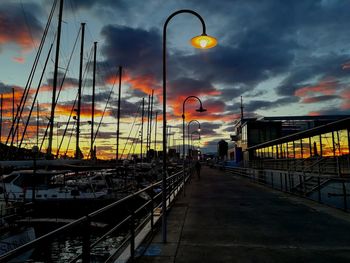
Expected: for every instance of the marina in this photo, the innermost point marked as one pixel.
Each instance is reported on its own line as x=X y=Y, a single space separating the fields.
x=119 y=143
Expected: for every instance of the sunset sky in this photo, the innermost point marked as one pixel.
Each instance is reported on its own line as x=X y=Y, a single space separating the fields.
x=283 y=57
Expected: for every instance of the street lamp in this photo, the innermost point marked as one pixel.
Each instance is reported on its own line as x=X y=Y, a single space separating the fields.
x=201 y=109
x=199 y=138
x=203 y=41
x=188 y=130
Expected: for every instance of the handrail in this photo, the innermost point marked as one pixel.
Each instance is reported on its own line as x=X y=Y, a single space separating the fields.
x=85 y=219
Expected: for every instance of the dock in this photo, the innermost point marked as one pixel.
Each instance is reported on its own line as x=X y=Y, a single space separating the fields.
x=228 y=218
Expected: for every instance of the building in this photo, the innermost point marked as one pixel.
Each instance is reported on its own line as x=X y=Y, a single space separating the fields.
x=290 y=136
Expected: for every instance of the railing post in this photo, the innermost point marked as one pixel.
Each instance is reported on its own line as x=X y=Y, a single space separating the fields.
x=132 y=235
x=152 y=211
x=286 y=181
x=345 y=198
x=272 y=179
x=319 y=188
x=303 y=185
x=338 y=167
x=86 y=241
x=281 y=181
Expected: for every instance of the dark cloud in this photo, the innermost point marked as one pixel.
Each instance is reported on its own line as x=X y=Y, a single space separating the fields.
x=99 y=97
x=317 y=99
x=319 y=66
x=5 y=88
x=127 y=109
x=263 y=104
x=19 y=24
x=138 y=49
x=185 y=87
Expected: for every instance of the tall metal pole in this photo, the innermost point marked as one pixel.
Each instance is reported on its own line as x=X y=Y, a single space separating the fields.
x=164 y=195
x=184 y=134
x=150 y=121
x=54 y=87
x=77 y=149
x=155 y=132
x=1 y=104
x=92 y=152
x=37 y=123
x=148 y=115
x=118 y=113
x=13 y=114
x=143 y=113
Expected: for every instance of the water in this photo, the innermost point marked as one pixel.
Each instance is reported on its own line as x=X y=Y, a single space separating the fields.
x=65 y=249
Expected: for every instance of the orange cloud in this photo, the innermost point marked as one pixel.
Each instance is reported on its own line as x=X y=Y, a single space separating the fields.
x=314 y=113
x=85 y=110
x=20 y=60
x=346 y=99
x=144 y=83
x=324 y=87
x=8 y=100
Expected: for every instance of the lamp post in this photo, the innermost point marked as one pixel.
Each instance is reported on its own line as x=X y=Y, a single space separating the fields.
x=201 y=109
x=203 y=41
x=188 y=130
x=199 y=138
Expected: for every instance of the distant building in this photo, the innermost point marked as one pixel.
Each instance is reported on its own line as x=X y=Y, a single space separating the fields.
x=222 y=150
x=249 y=133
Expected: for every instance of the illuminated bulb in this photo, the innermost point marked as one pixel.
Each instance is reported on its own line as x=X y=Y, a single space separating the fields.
x=199 y=130
x=203 y=43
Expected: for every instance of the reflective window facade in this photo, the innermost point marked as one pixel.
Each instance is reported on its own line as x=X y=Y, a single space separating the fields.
x=335 y=143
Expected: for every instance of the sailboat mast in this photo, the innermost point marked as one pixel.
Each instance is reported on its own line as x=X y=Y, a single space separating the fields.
x=118 y=112
x=155 y=133
x=150 y=121
x=77 y=149
x=148 y=115
x=37 y=123
x=1 y=104
x=92 y=152
x=143 y=113
x=54 y=88
x=13 y=114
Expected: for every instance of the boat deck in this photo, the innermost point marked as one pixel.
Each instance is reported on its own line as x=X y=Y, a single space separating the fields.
x=226 y=218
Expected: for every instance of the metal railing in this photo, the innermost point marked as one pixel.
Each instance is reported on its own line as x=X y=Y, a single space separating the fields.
x=134 y=219
x=336 y=166
x=331 y=190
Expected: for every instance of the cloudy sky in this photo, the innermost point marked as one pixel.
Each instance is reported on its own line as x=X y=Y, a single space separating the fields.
x=283 y=58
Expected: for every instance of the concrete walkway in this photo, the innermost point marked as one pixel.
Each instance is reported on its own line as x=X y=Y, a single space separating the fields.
x=225 y=218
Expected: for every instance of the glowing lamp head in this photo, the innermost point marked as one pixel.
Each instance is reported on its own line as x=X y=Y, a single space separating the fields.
x=204 y=41
x=199 y=129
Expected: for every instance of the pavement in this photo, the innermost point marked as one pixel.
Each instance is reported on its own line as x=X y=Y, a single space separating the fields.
x=227 y=218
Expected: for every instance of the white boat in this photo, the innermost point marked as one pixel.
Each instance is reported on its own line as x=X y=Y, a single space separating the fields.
x=47 y=185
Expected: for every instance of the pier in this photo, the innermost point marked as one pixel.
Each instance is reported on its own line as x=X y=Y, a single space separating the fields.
x=229 y=218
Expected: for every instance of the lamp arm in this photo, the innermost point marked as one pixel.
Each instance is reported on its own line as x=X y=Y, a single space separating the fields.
x=183 y=104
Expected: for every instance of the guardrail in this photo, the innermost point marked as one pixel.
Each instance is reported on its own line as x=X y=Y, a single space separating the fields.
x=133 y=221
x=331 y=190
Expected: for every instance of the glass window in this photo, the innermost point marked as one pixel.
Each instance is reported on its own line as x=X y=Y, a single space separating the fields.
x=315 y=146
x=306 y=147
x=327 y=144
x=290 y=150
x=284 y=150
x=270 y=152
x=297 y=145
x=341 y=142
x=244 y=134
